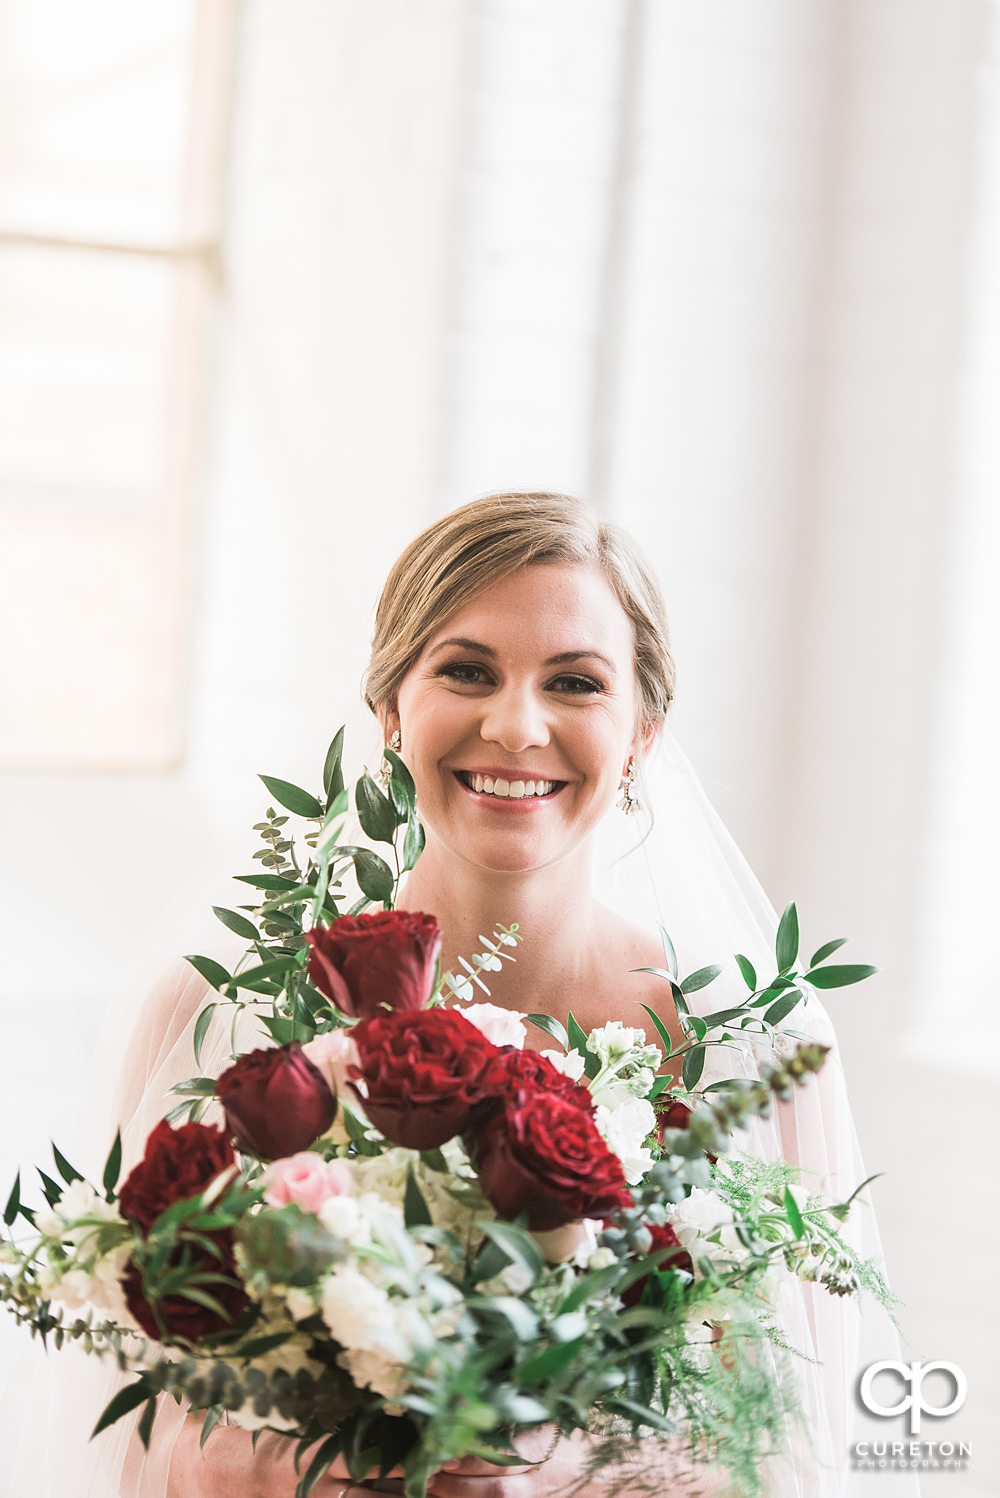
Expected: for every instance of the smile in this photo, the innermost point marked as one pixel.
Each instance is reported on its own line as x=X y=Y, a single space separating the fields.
x=509 y=790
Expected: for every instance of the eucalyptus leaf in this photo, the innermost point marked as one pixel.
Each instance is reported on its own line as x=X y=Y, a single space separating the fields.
x=293 y=797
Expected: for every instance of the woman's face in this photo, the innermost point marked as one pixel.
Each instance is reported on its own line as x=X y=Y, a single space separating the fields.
x=518 y=718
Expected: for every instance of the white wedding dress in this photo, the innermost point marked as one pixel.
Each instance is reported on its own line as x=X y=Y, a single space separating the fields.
x=679 y=868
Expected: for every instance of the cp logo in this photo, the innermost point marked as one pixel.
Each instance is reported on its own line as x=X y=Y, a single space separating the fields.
x=914 y=1375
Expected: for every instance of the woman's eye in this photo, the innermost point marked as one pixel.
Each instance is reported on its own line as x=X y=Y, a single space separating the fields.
x=577 y=686
x=466 y=672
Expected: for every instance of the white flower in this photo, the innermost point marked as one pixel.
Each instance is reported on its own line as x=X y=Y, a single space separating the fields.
x=341 y=1215
x=374 y=1368
x=624 y=1126
x=602 y=1258
x=613 y=1041
x=354 y=1309
x=501 y=1026
x=513 y=1280
x=570 y=1063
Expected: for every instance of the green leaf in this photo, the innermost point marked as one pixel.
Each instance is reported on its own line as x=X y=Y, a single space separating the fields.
x=517 y=1243
x=839 y=976
x=375 y=811
x=211 y=1420
x=661 y=1028
x=401 y=775
x=68 y=1172
x=827 y=950
x=13 y=1206
x=697 y=1027
x=333 y=775
x=266 y=881
x=201 y=1030
x=125 y=1400
x=793 y=1214
x=374 y=875
x=551 y=1027
x=413 y=842
x=748 y=970
x=145 y=1426
x=51 y=1189
x=416 y=1213
x=576 y=1036
x=702 y=978
x=112 y=1167
x=276 y=967
x=213 y=972
x=640 y=1414
x=547 y=1362
x=668 y=952
x=319 y=1466
x=293 y=797
x=693 y=1066
x=659 y=1085
x=781 y=1007
x=238 y=923
x=786 y=945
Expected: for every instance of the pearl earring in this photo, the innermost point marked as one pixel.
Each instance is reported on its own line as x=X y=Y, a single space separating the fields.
x=629 y=800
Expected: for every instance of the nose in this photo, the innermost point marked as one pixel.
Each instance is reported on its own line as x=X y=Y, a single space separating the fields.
x=515 y=719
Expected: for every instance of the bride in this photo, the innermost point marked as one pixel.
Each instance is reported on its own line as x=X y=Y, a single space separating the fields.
x=521 y=667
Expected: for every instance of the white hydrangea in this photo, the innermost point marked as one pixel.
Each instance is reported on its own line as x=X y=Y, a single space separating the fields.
x=625 y=1122
x=570 y=1063
x=355 y=1309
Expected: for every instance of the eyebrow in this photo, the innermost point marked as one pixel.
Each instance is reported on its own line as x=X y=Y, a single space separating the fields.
x=564 y=658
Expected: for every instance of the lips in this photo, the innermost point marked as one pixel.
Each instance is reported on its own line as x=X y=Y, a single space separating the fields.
x=508 y=790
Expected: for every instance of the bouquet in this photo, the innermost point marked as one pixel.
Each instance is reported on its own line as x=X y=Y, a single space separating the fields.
x=403 y=1237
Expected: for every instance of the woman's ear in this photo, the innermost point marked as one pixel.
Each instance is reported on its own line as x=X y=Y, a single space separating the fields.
x=389 y=719
x=645 y=739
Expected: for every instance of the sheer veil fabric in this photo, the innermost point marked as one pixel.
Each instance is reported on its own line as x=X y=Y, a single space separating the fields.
x=674 y=864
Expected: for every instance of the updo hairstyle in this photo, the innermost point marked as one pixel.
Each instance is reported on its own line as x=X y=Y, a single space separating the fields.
x=477 y=545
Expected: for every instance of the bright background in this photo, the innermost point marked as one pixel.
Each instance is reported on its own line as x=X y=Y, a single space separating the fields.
x=281 y=281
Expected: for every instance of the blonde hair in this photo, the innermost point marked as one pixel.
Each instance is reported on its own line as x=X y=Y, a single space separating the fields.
x=480 y=543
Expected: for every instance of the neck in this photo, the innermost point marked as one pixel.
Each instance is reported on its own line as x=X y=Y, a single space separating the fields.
x=554 y=909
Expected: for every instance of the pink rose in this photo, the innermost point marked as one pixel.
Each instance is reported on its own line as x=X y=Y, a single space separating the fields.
x=307 y=1180
x=332 y=1054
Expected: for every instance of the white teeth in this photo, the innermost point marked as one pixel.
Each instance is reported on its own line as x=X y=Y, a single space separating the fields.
x=514 y=790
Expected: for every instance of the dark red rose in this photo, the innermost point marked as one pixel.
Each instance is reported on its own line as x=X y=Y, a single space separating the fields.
x=276 y=1102
x=186 y=1318
x=427 y=1075
x=663 y=1237
x=178 y=1163
x=541 y=1153
x=674 y=1116
x=529 y=1069
x=367 y=963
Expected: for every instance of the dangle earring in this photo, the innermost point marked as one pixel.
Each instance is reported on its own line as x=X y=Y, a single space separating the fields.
x=629 y=801
x=395 y=743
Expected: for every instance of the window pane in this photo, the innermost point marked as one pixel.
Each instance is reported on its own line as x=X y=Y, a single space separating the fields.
x=94 y=117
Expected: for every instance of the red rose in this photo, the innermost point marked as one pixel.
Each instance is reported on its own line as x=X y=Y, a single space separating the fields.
x=663 y=1237
x=368 y=963
x=529 y=1069
x=178 y=1163
x=542 y=1154
x=276 y=1102
x=427 y=1075
x=674 y=1116
x=186 y=1318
